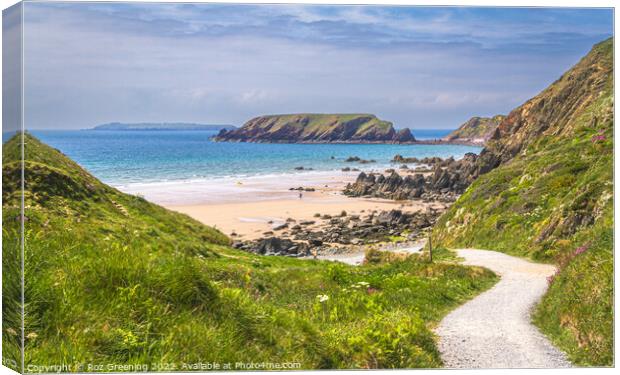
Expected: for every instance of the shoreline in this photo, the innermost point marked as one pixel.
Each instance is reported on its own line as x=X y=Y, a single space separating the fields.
x=425 y=141
x=251 y=208
x=241 y=189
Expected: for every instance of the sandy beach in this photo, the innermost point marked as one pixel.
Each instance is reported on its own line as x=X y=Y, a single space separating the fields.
x=251 y=206
x=250 y=219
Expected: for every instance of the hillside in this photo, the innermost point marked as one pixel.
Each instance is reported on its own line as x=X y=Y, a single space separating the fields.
x=317 y=128
x=477 y=130
x=548 y=195
x=114 y=280
x=160 y=126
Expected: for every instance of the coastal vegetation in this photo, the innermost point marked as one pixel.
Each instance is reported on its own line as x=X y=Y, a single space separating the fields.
x=317 y=128
x=550 y=198
x=114 y=279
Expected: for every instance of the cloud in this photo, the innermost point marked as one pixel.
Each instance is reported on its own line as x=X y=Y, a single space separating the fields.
x=88 y=63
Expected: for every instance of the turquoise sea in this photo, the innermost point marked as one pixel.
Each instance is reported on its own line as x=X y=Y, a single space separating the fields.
x=189 y=164
x=121 y=157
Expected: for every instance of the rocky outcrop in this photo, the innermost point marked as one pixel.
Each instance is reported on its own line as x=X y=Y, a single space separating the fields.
x=275 y=246
x=317 y=128
x=477 y=130
x=340 y=232
x=448 y=179
x=433 y=160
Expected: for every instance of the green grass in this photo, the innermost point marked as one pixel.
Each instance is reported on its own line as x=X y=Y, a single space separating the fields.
x=554 y=203
x=114 y=279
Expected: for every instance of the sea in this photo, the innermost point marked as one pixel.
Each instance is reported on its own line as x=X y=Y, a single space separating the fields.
x=186 y=167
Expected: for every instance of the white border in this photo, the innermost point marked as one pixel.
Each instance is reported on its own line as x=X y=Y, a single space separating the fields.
x=486 y=3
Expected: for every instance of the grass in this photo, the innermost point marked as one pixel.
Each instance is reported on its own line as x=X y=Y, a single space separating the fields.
x=114 y=279
x=554 y=203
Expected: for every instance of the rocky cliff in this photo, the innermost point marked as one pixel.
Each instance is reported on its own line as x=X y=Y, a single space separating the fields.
x=477 y=130
x=317 y=128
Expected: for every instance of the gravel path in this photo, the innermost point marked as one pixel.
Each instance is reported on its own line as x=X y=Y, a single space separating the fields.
x=494 y=330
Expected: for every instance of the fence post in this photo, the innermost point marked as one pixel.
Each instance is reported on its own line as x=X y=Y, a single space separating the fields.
x=430 y=248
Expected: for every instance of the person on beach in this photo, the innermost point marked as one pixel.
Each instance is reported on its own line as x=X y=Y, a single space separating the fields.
x=301 y=195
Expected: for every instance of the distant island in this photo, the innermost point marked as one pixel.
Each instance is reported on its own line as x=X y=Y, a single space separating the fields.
x=161 y=126
x=317 y=128
x=477 y=130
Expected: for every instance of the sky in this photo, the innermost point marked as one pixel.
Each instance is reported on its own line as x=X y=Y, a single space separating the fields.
x=419 y=67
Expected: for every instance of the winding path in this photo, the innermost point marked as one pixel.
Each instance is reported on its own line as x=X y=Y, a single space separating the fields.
x=494 y=330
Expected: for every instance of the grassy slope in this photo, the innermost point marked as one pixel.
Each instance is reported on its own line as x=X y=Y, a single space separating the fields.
x=112 y=278
x=11 y=268
x=554 y=202
x=323 y=123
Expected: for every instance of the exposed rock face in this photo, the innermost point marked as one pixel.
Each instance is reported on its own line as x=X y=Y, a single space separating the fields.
x=449 y=179
x=477 y=130
x=404 y=135
x=317 y=128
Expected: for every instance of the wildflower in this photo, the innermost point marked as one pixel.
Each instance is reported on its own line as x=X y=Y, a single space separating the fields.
x=362 y=283
x=372 y=290
x=580 y=250
x=551 y=278
x=598 y=138
x=32 y=336
x=11 y=332
x=322 y=297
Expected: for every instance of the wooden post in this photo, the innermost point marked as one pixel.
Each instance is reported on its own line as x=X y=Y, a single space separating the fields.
x=430 y=248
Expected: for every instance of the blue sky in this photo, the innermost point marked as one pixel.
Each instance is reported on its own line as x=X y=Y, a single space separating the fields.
x=90 y=63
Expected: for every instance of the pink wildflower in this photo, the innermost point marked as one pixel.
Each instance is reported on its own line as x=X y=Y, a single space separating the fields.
x=580 y=250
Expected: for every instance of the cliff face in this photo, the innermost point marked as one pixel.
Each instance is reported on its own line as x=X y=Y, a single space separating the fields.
x=477 y=130
x=559 y=110
x=546 y=191
x=317 y=128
